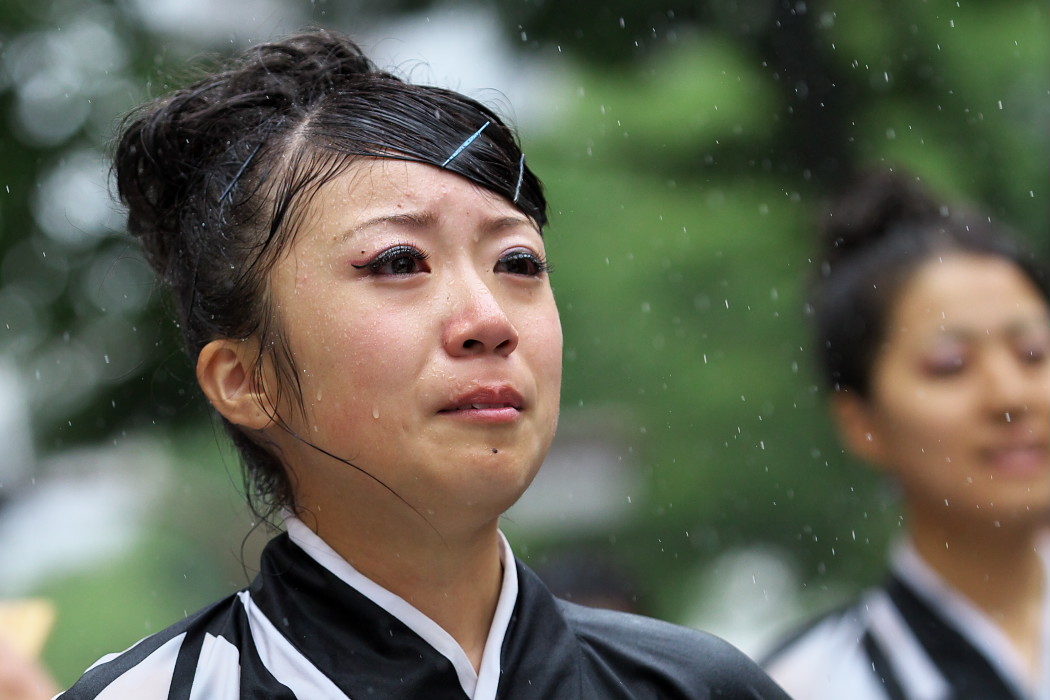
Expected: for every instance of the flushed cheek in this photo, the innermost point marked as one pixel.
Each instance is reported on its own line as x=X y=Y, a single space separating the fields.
x=933 y=416
x=544 y=330
x=369 y=366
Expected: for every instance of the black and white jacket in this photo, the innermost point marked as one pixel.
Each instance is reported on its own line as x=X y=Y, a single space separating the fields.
x=914 y=638
x=313 y=628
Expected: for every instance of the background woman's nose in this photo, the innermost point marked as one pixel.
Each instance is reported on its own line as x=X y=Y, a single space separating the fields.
x=1008 y=387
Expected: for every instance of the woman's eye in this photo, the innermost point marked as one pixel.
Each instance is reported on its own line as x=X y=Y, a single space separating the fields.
x=1034 y=351
x=522 y=262
x=1031 y=344
x=945 y=366
x=399 y=260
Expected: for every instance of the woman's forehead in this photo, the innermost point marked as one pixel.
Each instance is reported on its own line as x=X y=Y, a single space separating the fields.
x=967 y=294
x=394 y=193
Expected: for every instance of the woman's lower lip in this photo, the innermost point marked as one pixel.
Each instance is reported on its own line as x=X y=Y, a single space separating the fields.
x=505 y=414
x=1020 y=461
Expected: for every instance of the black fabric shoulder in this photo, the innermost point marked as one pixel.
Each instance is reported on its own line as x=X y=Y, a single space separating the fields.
x=691 y=663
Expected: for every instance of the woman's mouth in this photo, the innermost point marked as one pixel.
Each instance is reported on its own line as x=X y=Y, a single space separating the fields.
x=486 y=405
x=1020 y=460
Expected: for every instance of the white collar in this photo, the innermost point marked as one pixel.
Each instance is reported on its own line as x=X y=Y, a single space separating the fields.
x=478 y=686
x=979 y=630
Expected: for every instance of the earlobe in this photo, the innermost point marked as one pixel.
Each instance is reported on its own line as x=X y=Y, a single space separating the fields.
x=857 y=427
x=225 y=371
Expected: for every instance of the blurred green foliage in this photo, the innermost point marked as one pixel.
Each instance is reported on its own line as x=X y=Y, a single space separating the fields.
x=685 y=166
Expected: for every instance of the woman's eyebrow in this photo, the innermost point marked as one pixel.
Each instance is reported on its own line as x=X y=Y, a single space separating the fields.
x=411 y=220
x=425 y=219
x=503 y=222
x=1008 y=328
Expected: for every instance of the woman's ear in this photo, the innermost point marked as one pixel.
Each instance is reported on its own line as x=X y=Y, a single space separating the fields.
x=858 y=427
x=225 y=371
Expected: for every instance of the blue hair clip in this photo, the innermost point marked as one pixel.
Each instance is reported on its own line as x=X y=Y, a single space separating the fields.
x=244 y=166
x=521 y=173
x=466 y=143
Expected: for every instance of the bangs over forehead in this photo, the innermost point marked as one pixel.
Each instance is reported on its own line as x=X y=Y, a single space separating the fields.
x=401 y=121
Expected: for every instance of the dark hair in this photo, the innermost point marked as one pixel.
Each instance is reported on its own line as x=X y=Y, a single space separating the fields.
x=873 y=240
x=216 y=175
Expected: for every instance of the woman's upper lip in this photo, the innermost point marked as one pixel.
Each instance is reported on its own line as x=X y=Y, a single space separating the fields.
x=1030 y=446
x=1019 y=446
x=486 y=397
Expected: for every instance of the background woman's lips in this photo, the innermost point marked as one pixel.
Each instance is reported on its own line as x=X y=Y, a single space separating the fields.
x=1020 y=460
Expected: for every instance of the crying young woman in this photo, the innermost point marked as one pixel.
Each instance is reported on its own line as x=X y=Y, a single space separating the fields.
x=359 y=271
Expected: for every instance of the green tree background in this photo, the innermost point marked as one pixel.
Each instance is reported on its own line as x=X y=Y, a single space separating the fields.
x=686 y=148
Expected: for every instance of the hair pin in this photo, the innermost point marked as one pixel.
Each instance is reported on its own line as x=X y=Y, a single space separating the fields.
x=466 y=143
x=240 y=171
x=521 y=173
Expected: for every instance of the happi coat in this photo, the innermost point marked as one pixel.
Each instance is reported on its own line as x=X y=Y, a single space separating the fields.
x=313 y=628
x=913 y=638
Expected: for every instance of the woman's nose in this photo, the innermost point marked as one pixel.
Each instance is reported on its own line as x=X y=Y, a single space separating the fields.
x=477 y=322
x=1008 y=387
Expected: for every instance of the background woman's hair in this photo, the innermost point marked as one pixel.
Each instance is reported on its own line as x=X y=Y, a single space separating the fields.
x=216 y=175
x=873 y=239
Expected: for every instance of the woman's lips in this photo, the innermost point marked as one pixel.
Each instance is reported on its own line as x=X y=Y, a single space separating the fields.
x=486 y=405
x=1019 y=460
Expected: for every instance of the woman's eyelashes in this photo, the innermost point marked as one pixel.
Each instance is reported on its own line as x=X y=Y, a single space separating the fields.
x=1033 y=350
x=401 y=259
x=523 y=262
x=944 y=365
x=404 y=259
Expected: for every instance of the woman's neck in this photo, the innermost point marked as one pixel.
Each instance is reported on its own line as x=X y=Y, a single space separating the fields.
x=996 y=566
x=455 y=580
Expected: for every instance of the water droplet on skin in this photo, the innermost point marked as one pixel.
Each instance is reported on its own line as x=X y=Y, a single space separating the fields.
x=319 y=394
x=375 y=412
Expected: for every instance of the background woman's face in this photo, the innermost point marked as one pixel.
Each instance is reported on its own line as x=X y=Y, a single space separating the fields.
x=959 y=409
x=423 y=328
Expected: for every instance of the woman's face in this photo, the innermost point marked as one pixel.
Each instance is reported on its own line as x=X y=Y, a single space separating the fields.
x=423 y=329
x=959 y=409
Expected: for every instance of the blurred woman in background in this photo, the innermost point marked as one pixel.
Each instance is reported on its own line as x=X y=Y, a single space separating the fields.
x=359 y=270
x=935 y=333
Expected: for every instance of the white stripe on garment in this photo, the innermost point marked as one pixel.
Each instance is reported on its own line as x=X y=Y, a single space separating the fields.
x=1042 y=690
x=972 y=623
x=829 y=663
x=477 y=686
x=150 y=678
x=284 y=661
x=912 y=667
x=218 y=672
x=491 y=659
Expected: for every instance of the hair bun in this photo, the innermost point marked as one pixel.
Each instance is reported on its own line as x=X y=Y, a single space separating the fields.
x=878 y=203
x=165 y=160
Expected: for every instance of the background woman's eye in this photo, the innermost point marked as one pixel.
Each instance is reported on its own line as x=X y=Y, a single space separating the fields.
x=1033 y=347
x=522 y=262
x=399 y=260
x=946 y=366
x=1033 y=353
